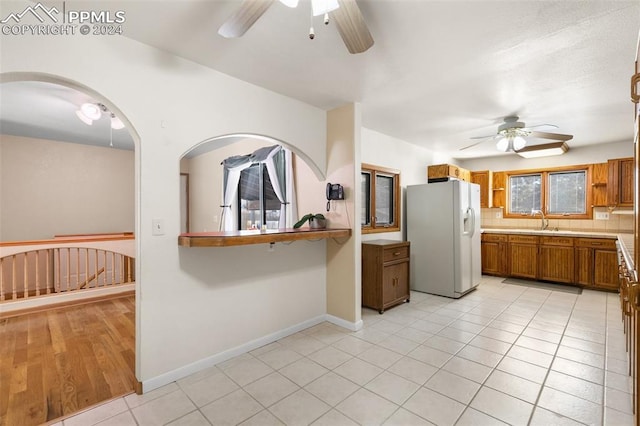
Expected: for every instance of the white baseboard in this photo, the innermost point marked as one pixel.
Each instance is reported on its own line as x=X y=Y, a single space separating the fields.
x=352 y=326
x=187 y=370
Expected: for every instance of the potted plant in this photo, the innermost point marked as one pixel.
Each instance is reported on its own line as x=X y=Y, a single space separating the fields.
x=316 y=221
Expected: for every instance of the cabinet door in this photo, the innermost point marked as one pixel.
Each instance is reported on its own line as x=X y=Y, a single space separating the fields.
x=620 y=182
x=499 y=189
x=402 y=281
x=626 y=182
x=492 y=254
x=584 y=265
x=523 y=260
x=556 y=264
x=395 y=282
x=599 y=184
x=483 y=178
x=605 y=269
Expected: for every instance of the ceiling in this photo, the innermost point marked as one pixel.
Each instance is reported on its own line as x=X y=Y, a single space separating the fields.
x=439 y=73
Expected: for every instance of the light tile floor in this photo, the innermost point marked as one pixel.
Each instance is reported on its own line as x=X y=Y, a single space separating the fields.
x=502 y=354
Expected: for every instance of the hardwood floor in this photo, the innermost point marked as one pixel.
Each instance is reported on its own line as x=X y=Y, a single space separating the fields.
x=61 y=361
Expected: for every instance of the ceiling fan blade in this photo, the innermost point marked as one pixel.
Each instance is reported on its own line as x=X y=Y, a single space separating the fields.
x=471 y=146
x=244 y=17
x=351 y=26
x=552 y=136
x=542 y=125
x=482 y=137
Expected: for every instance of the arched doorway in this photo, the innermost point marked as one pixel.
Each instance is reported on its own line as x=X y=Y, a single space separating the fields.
x=75 y=211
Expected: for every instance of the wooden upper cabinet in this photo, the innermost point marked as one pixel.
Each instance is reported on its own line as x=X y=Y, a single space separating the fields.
x=620 y=183
x=484 y=178
x=440 y=171
x=599 y=176
x=499 y=189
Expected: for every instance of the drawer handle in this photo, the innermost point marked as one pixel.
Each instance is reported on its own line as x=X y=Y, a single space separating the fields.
x=397 y=253
x=596 y=244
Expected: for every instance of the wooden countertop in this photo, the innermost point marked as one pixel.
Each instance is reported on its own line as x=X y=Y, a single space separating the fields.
x=241 y=238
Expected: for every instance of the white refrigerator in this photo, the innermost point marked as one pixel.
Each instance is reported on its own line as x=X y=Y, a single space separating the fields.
x=443 y=226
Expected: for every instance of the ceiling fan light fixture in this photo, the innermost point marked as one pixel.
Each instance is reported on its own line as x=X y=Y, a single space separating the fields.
x=518 y=143
x=320 y=7
x=116 y=123
x=86 y=120
x=503 y=145
x=91 y=111
x=544 y=150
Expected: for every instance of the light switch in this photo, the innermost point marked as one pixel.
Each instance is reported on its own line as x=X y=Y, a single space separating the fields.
x=158 y=227
x=602 y=216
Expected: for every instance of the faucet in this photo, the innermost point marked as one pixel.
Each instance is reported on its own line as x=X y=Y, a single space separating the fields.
x=544 y=222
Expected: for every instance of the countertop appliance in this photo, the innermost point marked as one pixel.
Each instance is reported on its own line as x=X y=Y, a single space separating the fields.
x=443 y=225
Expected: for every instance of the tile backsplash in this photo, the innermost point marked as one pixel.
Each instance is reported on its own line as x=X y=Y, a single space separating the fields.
x=492 y=218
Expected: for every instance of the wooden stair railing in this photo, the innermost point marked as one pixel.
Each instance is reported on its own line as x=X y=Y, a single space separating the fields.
x=91 y=278
x=47 y=271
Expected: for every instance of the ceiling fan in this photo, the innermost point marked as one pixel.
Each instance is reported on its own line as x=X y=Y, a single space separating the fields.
x=512 y=133
x=345 y=13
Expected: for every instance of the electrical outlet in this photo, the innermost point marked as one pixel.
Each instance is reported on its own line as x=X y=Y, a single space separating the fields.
x=602 y=216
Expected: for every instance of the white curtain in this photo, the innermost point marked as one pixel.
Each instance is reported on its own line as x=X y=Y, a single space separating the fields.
x=277 y=176
x=233 y=166
x=280 y=175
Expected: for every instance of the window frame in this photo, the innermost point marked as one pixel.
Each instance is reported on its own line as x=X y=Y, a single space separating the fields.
x=262 y=173
x=374 y=171
x=544 y=192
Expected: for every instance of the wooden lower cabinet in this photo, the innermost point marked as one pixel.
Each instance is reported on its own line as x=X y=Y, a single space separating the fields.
x=523 y=256
x=385 y=273
x=587 y=262
x=556 y=260
x=494 y=254
x=597 y=263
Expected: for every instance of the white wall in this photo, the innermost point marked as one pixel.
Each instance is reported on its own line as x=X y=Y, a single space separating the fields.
x=193 y=305
x=52 y=188
x=581 y=155
x=412 y=162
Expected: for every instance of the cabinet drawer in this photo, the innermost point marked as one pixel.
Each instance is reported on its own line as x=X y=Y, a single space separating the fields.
x=531 y=239
x=395 y=253
x=496 y=238
x=557 y=241
x=602 y=243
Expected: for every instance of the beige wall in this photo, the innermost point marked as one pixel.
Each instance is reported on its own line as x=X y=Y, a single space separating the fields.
x=50 y=187
x=343 y=257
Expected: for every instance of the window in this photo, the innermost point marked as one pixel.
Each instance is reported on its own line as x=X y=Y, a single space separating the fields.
x=380 y=189
x=557 y=193
x=258 y=203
